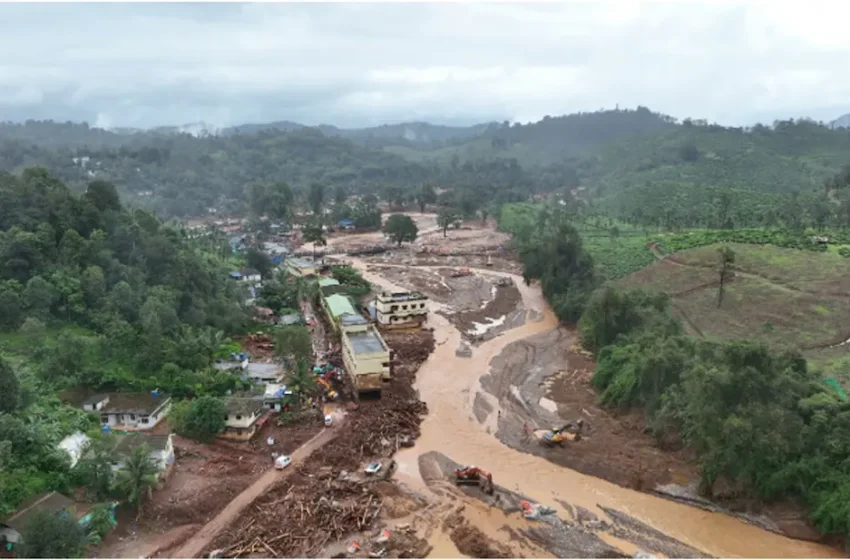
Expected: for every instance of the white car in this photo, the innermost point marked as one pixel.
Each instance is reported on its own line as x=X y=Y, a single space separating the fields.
x=282 y=462
x=373 y=468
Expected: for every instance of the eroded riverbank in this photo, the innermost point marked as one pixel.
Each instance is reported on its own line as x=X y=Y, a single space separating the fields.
x=451 y=384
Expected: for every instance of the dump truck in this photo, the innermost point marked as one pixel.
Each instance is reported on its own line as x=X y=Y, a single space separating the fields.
x=473 y=475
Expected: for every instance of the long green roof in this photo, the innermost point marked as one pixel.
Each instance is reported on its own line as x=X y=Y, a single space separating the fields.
x=325 y=282
x=339 y=305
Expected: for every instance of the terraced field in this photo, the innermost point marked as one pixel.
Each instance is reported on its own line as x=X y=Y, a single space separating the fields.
x=783 y=297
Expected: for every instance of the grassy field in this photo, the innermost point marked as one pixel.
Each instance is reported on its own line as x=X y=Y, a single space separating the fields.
x=782 y=297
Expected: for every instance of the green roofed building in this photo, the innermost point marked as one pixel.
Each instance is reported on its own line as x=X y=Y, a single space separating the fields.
x=336 y=306
x=330 y=286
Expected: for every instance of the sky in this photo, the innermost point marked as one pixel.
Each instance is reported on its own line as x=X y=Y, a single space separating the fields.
x=356 y=65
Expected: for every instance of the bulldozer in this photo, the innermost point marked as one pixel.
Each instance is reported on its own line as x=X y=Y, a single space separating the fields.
x=570 y=431
x=473 y=475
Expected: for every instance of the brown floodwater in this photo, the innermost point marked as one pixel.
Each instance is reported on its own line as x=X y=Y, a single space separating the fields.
x=449 y=384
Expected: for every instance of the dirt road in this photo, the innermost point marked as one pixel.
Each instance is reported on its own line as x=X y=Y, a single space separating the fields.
x=194 y=546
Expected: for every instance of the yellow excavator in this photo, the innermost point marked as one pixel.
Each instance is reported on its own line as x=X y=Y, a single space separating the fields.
x=570 y=431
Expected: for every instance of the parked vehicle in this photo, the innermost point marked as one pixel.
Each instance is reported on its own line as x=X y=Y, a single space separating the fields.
x=373 y=467
x=282 y=462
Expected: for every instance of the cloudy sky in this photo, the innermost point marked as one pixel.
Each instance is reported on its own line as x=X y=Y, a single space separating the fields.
x=366 y=64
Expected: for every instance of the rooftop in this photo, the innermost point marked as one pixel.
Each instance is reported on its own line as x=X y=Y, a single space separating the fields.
x=293 y=319
x=249 y=272
x=402 y=296
x=366 y=342
x=339 y=305
x=127 y=442
x=301 y=263
x=129 y=403
x=263 y=369
x=349 y=319
x=53 y=502
x=325 y=282
x=243 y=405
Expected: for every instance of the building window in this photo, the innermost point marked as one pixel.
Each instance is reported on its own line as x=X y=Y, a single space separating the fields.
x=239 y=417
x=144 y=420
x=393 y=308
x=404 y=307
x=132 y=417
x=104 y=419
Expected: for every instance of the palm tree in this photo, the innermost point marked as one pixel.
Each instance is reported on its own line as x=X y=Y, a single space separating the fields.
x=301 y=381
x=138 y=476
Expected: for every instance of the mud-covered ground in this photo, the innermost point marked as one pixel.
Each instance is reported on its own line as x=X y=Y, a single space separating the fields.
x=570 y=532
x=480 y=306
x=545 y=381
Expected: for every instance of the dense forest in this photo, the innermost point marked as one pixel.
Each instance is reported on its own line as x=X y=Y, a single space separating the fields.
x=636 y=165
x=95 y=296
x=760 y=419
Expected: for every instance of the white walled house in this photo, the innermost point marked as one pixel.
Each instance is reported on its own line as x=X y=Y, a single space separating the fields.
x=402 y=309
x=241 y=417
x=129 y=411
x=160 y=447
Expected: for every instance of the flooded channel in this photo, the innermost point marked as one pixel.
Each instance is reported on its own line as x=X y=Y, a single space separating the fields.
x=449 y=384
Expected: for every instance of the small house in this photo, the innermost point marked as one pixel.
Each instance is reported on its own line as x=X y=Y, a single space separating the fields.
x=129 y=411
x=300 y=267
x=241 y=418
x=51 y=502
x=160 y=450
x=262 y=373
x=251 y=275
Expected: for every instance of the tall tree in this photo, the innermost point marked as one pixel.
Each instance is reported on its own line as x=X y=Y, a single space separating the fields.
x=293 y=342
x=316 y=198
x=401 y=228
x=426 y=195
x=138 y=476
x=725 y=259
x=278 y=201
x=201 y=419
x=446 y=218
x=313 y=233
x=10 y=388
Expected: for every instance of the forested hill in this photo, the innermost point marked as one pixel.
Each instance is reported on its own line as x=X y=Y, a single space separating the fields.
x=95 y=297
x=633 y=164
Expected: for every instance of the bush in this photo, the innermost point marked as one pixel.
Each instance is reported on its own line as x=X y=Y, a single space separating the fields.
x=48 y=535
x=200 y=420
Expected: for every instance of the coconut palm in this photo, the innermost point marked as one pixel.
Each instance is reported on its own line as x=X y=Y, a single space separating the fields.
x=138 y=475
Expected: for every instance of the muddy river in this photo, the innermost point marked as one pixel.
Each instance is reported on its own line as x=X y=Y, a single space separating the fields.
x=449 y=385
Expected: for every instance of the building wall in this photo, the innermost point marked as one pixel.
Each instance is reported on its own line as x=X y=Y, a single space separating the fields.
x=401 y=312
x=358 y=364
x=244 y=420
x=240 y=434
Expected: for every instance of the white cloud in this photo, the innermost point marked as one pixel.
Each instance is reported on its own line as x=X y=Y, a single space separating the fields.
x=362 y=64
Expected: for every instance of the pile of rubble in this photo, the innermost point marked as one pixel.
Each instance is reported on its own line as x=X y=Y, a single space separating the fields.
x=258 y=345
x=319 y=504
